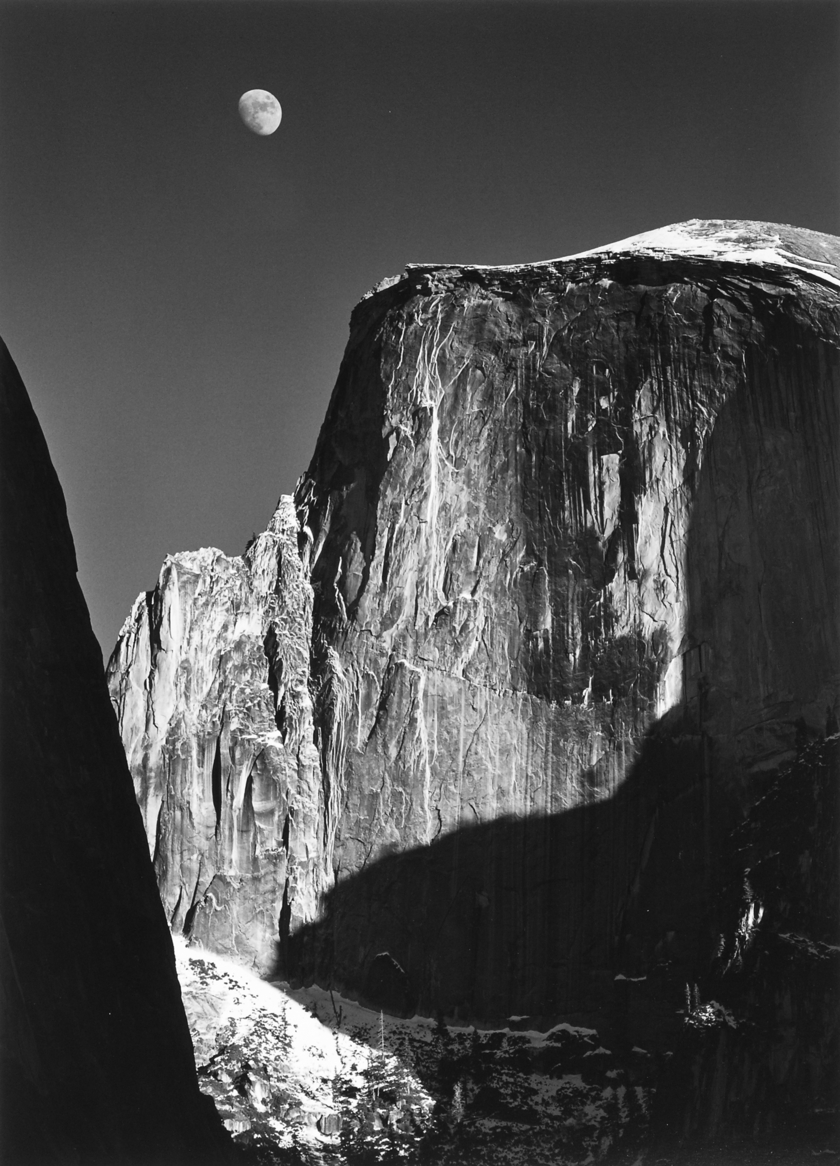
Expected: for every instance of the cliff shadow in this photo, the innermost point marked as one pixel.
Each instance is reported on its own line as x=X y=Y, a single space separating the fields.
x=536 y=916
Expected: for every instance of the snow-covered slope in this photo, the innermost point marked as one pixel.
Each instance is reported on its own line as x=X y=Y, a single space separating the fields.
x=306 y=1076
x=280 y=1078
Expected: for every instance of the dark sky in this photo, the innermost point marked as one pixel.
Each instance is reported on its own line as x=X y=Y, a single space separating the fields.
x=176 y=290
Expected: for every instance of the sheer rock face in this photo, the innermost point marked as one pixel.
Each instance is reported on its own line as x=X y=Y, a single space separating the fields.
x=568 y=564
x=211 y=684
x=96 y=1055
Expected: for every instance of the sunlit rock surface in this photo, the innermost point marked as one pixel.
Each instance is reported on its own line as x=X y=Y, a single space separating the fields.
x=565 y=600
x=211 y=684
x=96 y=1057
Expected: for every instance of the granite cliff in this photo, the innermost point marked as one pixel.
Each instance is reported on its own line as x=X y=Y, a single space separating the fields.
x=97 y=1064
x=469 y=728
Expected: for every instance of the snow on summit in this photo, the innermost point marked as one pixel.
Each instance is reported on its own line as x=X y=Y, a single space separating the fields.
x=736 y=241
x=797 y=249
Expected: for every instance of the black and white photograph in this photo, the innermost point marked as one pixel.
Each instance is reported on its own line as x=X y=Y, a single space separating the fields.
x=419 y=582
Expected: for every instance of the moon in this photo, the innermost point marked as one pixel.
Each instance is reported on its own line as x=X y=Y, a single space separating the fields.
x=260 y=110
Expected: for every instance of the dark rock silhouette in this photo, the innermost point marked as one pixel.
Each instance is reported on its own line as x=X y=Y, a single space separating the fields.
x=97 y=1066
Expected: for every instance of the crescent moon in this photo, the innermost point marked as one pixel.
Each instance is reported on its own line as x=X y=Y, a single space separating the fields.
x=260 y=111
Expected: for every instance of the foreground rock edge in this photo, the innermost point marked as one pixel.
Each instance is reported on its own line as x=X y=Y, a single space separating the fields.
x=96 y=1058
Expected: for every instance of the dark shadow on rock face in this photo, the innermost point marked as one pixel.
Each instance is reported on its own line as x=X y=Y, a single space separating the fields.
x=758 y=1053
x=524 y=915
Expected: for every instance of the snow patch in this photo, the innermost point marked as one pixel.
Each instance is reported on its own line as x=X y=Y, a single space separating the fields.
x=733 y=242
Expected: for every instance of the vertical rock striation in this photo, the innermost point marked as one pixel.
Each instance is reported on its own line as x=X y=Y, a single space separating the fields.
x=96 y=1055
x=558 y=598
